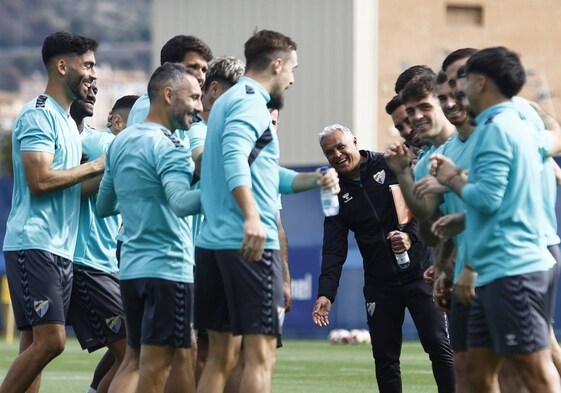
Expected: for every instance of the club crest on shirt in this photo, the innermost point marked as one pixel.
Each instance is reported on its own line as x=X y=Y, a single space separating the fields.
x=380 y=177
x=370 y=308
x=281 y=313
x=114 y=323
x=346 y=197
x=41 y=307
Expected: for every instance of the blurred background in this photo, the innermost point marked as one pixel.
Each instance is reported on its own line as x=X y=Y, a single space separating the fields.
x=350 y=53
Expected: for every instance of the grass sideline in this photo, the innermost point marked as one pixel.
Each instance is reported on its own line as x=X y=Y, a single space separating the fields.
x=302 y=366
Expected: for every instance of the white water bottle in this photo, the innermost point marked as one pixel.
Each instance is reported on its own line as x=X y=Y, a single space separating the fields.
x=329 y=200
x=402 y=260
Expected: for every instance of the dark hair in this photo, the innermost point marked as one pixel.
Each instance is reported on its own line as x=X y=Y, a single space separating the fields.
x=458 y=54
x=264 y=46
x=441 y=78
x=176 y=48
x=227 y=70
x=419 y=87
x=125 y=102
x=167 y=73
x=393 y=104
x=64 y=43
x=501 y=65
x=409 y=74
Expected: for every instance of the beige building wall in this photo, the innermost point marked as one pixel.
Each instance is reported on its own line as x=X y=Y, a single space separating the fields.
x=351 y=51
x=424 y=32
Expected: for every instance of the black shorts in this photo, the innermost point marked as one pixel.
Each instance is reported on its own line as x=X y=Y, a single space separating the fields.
x=459 y=317
x=157 y=312
x=235 y=295
x=96 y=310
x=509 y=314
x=40 y=285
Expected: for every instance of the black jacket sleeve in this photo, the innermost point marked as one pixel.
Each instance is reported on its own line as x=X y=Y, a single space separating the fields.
x=334 y=254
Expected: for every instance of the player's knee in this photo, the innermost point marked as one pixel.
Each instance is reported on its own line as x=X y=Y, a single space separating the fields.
x=261 y=359
x=52 y=347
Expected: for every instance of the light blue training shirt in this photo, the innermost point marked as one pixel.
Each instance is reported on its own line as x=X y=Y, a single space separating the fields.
x=504 y=198
x=147 y=169
x=238 y=119
x=48 y=222
x=96 y=243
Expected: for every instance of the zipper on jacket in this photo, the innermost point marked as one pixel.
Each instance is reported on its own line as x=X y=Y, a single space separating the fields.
x=391 y=254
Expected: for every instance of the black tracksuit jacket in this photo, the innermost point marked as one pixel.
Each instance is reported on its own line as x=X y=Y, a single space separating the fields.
x=367 y=209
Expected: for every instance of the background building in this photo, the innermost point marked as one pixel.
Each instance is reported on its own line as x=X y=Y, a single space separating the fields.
x=351 y=51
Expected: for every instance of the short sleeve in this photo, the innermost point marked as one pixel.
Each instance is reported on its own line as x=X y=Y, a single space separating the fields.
x=36 y=131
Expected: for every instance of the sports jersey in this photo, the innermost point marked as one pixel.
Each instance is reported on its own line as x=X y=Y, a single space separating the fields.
x=96 y=243
x=460 y=152
x=549 y=182
x=48 y=222
x=138 y=114
x=145 y=166
x=139 y=110
x=238 y=119
x=422 y=168
x=197 y=135
x=87 y=131
x=503 y=197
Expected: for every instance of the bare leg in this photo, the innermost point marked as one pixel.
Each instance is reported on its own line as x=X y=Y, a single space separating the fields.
x=460 y=367
x=182 y=374
x=235 y=380
x=538 y=372
x=117 y=352
x=202 y=355
x=222 y=356
x=26 y=339
x=155 y=363
x=126 y=379
x=555 y=350
x=260 y=358
x=47 y=343
x=103 y=366
x=510 y=379
x=483 y=367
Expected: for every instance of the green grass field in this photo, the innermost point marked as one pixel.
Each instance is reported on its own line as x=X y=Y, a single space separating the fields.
x=302 y=366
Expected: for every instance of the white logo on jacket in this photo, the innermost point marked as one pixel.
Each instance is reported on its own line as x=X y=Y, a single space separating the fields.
x=346 y=197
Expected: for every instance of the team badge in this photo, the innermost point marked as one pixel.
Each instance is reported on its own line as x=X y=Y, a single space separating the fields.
x=346 y=197
x=370 y=307
x=41 y=307
x=281 y=313
x=380 y=177
x=114 y=323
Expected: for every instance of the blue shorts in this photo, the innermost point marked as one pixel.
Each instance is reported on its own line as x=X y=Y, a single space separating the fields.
x=96 y=310
x=157 y=312
x=509 y=314
x=40 y=285
x=236 y=295
x=459 y=317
